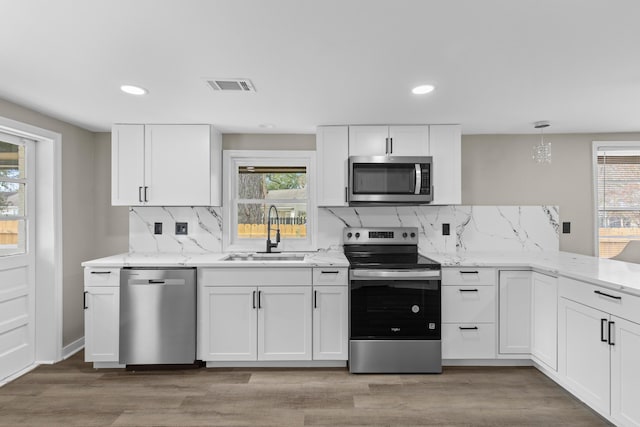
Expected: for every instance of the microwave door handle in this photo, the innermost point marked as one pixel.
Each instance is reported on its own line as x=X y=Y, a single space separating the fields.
x=418 y=178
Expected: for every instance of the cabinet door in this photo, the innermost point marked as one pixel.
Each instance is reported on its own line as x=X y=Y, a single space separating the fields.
x=409 y=140
x=101 y=324
x=330 y=323
x=127 y=165
x=544 y=326
x=284 y=323
x=228 y=326
x=368 y=140
x=515 y=312
x=445 y=146
x=584 y=353
x=178 y=165
x=332 y=149
x=625 y=372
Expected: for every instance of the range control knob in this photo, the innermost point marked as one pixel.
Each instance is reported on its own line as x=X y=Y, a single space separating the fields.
x=357 y=235
x=413 y=235
x=349 y=235
x=404 y=235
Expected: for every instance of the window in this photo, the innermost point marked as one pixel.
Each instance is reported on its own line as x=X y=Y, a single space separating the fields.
x=258 y=180
x=13 y=195
x=617 y=167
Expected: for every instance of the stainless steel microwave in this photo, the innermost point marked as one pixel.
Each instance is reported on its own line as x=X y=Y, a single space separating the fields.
x=390 y=180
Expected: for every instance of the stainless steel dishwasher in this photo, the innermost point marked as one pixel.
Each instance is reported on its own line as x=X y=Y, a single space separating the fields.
x=157 y=316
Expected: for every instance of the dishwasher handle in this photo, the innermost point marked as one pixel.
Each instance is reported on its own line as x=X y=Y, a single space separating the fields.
x=163 y=282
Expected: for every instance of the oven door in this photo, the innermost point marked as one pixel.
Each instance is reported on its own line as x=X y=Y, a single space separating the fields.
x=394 y=304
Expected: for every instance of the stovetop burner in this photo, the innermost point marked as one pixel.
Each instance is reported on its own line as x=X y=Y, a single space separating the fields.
x=391 y=248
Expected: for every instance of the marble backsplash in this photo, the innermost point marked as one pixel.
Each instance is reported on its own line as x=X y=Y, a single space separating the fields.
x=472 y=228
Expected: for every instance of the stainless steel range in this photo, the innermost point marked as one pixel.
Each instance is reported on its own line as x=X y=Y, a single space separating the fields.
x=395 y=307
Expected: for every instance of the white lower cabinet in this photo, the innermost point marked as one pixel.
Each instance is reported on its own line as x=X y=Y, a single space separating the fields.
x=625 y=373
x=544 y=319
x=598 y=350
x=284 y=323
x=330 y=323
x=101 y=323
x=255 y=323
x=468 y=313
x=514 y=318
x=230 y=323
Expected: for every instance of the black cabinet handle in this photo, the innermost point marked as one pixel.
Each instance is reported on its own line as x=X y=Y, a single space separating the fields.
x=470 y=272
x=468 y=328
x=607 y=295
x=468 y=290
x=330 y=272
x=259 y=299
x=145 y=194
x=603 y=323
x=346 y=194
x=610 y=338
x=253 y=300
x=84 y=300
x=140 y=194
x=100 y=272
x=315 y=299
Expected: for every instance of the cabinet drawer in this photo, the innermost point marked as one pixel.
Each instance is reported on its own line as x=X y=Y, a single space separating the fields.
x=269 y=276
x=613 y=302
x=101 y=276
x=468 y=304
x=468 y=276
x=331 y=276
x=468 y=340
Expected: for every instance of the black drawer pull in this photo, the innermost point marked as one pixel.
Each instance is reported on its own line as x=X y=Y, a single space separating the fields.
x=468 y=328
x=468 y=290
x=100 y=272
x=329 y=272
x=84 y=300
x=607 y=295
x=470 y=272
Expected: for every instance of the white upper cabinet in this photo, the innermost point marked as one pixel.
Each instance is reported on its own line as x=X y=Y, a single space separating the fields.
x=166 y=165
x=389 y=140
x=332 y=146
x=445 y=147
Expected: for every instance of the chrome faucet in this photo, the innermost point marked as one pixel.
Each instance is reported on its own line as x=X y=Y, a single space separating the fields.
x=269 y=244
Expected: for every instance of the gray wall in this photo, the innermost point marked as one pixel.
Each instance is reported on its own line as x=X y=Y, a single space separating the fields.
x=499 y=170
x=79 y=220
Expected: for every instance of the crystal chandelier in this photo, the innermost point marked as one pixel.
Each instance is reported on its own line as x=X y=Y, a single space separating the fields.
x=542 y=151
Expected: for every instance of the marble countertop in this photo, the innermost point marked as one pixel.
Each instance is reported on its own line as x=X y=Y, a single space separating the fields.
x=616 y=275
x=213 y=259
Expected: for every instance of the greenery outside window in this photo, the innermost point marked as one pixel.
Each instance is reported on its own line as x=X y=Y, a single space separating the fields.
x=257 y=180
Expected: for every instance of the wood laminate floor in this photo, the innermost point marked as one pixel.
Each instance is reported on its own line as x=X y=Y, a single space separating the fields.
x=72 y=393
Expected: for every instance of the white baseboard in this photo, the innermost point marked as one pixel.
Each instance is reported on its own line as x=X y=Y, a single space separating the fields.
x=71 y=349
x=18 y=374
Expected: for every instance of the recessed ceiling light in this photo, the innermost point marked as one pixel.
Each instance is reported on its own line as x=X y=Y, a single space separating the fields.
x=133 y=90
x=422 y=89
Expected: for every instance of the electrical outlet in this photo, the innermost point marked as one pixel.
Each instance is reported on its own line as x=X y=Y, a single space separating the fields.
x=446 y=229
x=181 y=228
x=157 y=228
x=566 y=227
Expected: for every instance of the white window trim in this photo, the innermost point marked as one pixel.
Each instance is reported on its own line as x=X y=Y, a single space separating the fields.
x=600 y=146
x=234 y=158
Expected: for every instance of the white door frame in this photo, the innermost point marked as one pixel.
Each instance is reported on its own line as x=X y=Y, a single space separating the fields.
x=48 y=254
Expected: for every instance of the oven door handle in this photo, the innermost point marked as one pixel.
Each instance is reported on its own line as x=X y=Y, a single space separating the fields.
x=395 y=274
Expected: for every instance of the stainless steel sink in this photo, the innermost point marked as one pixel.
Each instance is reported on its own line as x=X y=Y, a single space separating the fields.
x=264 y=257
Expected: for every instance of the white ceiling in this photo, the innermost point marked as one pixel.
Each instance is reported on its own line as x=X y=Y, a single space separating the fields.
x=498 y=65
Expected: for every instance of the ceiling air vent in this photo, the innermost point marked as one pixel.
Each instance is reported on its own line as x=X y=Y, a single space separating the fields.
x=242 y=85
